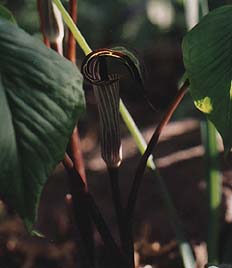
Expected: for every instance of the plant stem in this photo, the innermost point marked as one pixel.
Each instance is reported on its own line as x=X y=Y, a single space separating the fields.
x=77 y=157
x=209 y=137
x=71 y=45
x=73 y=28
x=185 y=248
x=124 y=230
x=213 y=177
x=77 y=202
x=75 y=139
x=151 y=145
x=76 y=183
x=135 y=132
x=116 y=196
x=42 y=24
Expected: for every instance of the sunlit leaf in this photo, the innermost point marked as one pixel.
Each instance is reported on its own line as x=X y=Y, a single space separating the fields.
x=207 y=54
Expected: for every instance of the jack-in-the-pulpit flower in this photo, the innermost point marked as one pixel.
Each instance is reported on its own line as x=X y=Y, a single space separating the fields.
x=106 y=87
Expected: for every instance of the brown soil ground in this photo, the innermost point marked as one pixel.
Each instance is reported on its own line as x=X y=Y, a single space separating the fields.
x=180 y=159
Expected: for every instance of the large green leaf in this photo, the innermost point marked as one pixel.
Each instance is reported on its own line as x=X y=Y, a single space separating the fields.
x=41 y=98
x=207 y=51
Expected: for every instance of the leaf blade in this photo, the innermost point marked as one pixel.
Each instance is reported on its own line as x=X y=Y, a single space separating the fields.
x=207 y=58
x=43 y=98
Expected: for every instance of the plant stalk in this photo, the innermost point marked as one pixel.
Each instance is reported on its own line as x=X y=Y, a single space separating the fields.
x=75 y=139
x=42 y=22
x=124 y=230
x=71 y=44
x=151 y=145
x=73 y=28
x=213 y=179
x=77 y=202
x=76 y=183
x=185 y=248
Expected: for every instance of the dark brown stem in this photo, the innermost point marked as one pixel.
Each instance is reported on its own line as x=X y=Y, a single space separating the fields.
x=42 y=24
x=75 y=183
x=151 y=145
x=116 y=196
x=122 y=220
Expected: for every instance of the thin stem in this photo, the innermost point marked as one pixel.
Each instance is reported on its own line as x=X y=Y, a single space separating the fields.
x=76 y=183
x=124 y=230
x=77 y=156
x=151 y=145
x=73 y=28
x=77 y=187
x=140 y=142
x=209 y=137
x=75 y=142
x=135 y=132
x=42 y=22
x=213 y=178
x=116 y=196
x=71 y=44
x=185 y=248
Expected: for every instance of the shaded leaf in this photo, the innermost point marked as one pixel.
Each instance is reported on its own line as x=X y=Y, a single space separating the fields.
x=40 y=99
x=207 y=54
x=7 y=15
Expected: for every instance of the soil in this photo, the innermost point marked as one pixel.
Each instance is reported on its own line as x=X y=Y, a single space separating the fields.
x=180 y=159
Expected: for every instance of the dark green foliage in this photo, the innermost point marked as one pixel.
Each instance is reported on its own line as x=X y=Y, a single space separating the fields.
x=41 y=98
x=207 y=57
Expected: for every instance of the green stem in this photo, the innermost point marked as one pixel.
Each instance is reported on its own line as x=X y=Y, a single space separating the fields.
x=185 y=248
x=209 y=136
x=213 y=177
x=73 y=28
x=136 y=134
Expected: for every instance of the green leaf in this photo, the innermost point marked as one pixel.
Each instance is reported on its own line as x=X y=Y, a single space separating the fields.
x=41 y=98
x=5 y=14
x=207 y=52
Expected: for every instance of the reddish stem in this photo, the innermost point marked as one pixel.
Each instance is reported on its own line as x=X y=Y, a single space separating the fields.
x=77 y=155
x=42 y=25
x=75 y=139
x=151 y=145
x=71 y=47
